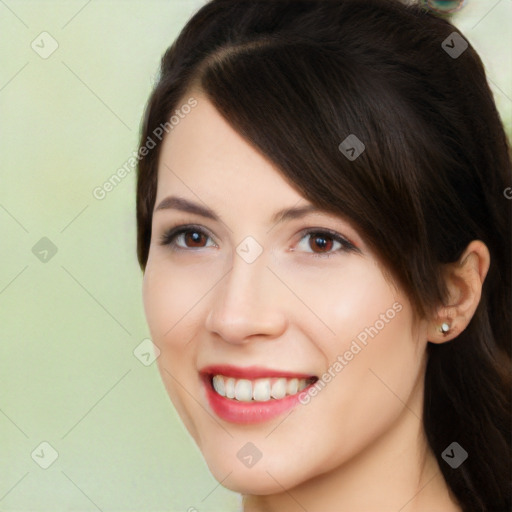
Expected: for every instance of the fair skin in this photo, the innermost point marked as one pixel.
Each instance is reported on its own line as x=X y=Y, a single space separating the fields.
x=358 y=445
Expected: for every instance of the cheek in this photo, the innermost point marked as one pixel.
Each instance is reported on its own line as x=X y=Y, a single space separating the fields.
x=373 y=357
x=374 y=332
x=169 y=297
x=346 y=300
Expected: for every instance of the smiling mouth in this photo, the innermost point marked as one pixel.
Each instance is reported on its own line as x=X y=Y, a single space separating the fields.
x=258 y=390
x=251 y=395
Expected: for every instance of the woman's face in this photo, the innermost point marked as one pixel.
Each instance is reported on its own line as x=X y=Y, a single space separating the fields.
x=261 y=305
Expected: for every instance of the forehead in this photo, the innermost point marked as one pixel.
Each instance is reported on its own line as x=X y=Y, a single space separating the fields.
x=204 y=156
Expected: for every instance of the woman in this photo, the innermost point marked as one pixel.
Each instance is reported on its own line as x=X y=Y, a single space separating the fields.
x=326 y=253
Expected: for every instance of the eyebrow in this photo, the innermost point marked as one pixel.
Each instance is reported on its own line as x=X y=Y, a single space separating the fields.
x=184 y=205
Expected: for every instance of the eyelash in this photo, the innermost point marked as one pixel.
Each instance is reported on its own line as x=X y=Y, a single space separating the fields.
x=169 y=238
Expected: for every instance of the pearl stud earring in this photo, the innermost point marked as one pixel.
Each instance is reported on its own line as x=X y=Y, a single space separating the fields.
x=445 y=327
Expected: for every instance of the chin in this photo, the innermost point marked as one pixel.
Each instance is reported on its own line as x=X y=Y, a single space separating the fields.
x=250 y=481
x=269 y=475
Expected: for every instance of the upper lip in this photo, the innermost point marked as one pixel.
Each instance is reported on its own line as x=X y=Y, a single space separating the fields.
x=251 y=372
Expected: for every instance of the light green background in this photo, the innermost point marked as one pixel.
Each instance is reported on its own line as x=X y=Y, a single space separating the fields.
x=69 y=326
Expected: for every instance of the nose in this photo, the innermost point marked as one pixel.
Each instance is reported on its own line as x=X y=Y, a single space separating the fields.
x=246 y=304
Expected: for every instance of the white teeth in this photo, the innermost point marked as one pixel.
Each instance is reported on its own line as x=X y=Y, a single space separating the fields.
x=243 y=390
x=218 y=385
x=292 y=387
x=259 y=390
x=229 y=386
x=279 y=389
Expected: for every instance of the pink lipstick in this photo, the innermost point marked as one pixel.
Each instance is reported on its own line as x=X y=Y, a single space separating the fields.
x=252 y=394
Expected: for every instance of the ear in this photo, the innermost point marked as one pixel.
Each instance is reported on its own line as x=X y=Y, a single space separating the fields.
x=464 y=280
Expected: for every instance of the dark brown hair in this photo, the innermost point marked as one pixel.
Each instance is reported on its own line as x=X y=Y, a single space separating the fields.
x=295 y=78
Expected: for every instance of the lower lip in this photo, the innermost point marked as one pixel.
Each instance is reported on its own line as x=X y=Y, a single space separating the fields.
x=246 y=413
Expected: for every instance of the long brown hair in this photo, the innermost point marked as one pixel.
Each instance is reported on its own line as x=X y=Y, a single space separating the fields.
x=295 y=78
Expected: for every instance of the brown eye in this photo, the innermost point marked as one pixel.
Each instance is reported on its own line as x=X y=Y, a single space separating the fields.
x=186 y=237
x=322 y=242
x=194 y=238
